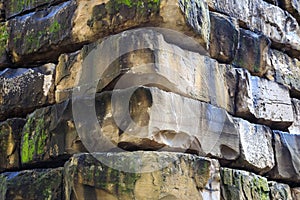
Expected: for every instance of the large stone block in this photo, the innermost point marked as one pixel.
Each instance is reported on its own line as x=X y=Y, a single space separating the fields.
x=132 y=119
x=279 y=191
x=239 y=185
x=256 y=147
x=32 y=184
x=67 y=26
x=149 y=59
x=224 y=37
x=265 y=102
x=10 y=136
x=258 y=15
x=23 y=90
x=286 y=148
x=252 y=52
x=13 y=7
x=286 y=70
x=49 y=133
x=141 y=175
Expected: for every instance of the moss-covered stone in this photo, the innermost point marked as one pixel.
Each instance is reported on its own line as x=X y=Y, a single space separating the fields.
x=32 y=184
x=238 y=184
x=49 y=133
x=140 y=175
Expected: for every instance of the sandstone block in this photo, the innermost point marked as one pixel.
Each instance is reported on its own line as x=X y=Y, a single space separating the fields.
x=132 y=119
x=256 y=147
x=295 y=127
x=146 y=57
x=265 y=102
x=68 y=26
x=154 y=175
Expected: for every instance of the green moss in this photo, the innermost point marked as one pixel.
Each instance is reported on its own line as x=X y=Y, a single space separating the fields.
x=34 y=139
x=3 y=38
x=55 y=27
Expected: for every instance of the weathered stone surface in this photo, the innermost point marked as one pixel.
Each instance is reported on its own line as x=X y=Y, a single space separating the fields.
x=252 y=52
x=4 y=61
x=10 y=135
x=67 y=26
x=32 y=184
x=224 y=37
x=292 y=6
x=150 y=60
x=23 y=90
x=286 y=70
x=157 y=175
x=137 y=122
x=239 y=185
x=295 y=127
x=258 y=15
x=13 y=7
x=49 y=133
x=279 y=191
x=256 y=147
x=265 y=102
x=287 y=151
x=296 y=193
x=46 y=32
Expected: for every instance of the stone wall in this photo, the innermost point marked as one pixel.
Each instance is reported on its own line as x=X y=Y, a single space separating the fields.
x=154 y=99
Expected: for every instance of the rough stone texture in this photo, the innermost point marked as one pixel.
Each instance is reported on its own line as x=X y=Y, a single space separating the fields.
x=286 y=70
x=154 y=62
x=265 y=102
x=10 y=135
x=13 y=7
x=45 y=32
x=292 y=6
x=256 y=147
x=32 y=184
x=279 y=191
x=4 y=61
x=239 y=185
x=67 y=26
x=23 y=90
x=49 y=133
x=295 y=127
x=258 y=15
x=224 y=37
x=296 y=193
x=287 y=151
x=252 y=52
x=136 y=122
x=166 y=176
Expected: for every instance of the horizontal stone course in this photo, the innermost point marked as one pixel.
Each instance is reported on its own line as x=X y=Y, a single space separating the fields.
x=258 y=15
x=67 y=26
x=158 y=175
